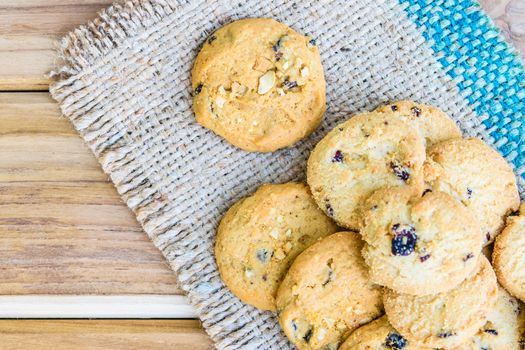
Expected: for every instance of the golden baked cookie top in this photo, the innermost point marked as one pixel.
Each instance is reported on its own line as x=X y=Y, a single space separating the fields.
x=509 y=255
x=259 y=84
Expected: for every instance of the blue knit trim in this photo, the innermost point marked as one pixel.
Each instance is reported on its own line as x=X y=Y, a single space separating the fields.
x=488 y=72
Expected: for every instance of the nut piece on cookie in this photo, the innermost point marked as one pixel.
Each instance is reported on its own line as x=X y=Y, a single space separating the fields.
x=504 y=326
x=419 y=245
x=377 y=335
x=445 y=320
x=476 y=175
x=261 y=235
x=434 y=124
x=365 y=153
x=509 y=255
x=259 y=84
x=326 y=293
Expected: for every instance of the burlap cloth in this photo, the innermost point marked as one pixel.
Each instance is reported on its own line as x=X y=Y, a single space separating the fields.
x=124 y=82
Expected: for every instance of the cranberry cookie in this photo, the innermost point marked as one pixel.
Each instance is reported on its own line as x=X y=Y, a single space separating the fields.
x=476 y=175
x=509 y=255
x=326 y=293
x=445 y=320
x=419 y=245
x=361 y=155
x=259 y=84
x=261 y=235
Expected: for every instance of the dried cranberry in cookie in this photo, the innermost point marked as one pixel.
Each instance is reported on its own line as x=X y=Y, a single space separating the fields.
x=361 y=155
x=418 y=245
x=377 y=335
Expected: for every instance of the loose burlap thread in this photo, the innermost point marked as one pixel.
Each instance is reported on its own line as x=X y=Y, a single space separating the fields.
x=124 y=82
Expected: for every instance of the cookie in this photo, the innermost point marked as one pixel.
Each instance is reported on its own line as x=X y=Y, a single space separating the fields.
x=509 y=255
x=433 y=123
x=359 y=156
x=261 y=235
x=419 y=245
x=476 y=175
x=503 y=328
x=377 y=335
x=259 y=84
x=445 y=320
x=326 y=293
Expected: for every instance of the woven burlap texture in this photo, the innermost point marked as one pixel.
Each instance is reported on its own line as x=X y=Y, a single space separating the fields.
x=124 y=82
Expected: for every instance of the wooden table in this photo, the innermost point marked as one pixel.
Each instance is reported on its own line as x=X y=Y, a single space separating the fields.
x=69 y=247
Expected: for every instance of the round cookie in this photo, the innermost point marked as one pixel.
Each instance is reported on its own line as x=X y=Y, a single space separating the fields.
x=509 y=255
x=326 y=293
x=434 y=124
x=260 y=236
x=478 y=176
x=359 y=156
x=445 y=320
x=259 y=84
x=419 y=245
x=377 y=335
x=504 y=326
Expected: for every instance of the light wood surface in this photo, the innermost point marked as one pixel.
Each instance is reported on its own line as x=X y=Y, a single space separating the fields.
x=30 y=28
x=102 y=334
x=63 y=227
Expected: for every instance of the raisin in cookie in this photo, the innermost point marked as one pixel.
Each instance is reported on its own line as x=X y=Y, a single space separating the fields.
x=434 y=124
x=419 y=245
x=359 y=156
x=261 y=235
x=326 y=293
x=448 y=319
x=478 y=176
x=377 y=335
x=503 y=328
x=509 y=255
x=259 y=84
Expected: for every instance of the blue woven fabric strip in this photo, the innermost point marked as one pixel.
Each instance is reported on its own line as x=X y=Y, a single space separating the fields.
x=488 y=71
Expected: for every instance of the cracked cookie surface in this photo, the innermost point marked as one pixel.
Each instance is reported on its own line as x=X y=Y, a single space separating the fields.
x=367 y=152
x=260 y=236
x=259 y=84
x=326 y=293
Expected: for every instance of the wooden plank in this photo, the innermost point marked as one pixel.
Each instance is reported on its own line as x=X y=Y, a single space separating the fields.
x=30 y=28
x=103 y=334
x=63 y=227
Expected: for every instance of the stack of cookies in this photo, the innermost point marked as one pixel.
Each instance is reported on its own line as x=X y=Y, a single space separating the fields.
x=388 y=244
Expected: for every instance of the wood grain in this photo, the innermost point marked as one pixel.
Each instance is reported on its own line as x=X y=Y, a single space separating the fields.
x=29 y=30
x=103 y=334
x=63 y=227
